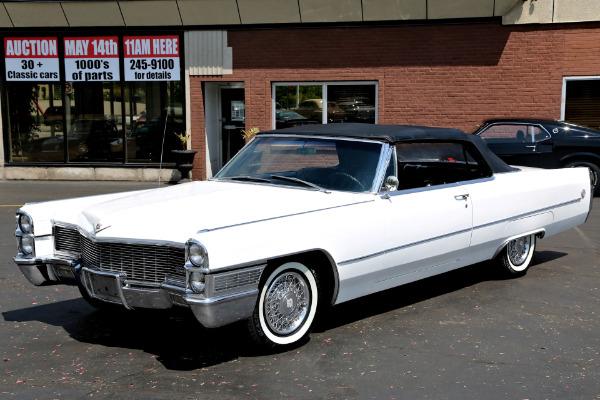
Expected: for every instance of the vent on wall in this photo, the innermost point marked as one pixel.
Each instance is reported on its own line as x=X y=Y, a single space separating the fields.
x=206 y=53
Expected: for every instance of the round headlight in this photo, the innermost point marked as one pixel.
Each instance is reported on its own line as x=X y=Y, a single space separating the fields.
x=197 y=282
x=25 y=223
x=26 y=245
x=197 y=254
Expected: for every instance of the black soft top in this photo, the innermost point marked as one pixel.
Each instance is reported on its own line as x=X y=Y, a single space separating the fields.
x=396 y=133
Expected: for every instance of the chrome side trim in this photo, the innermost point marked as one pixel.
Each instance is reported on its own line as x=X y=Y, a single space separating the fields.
x=288 y=215
x=524 y=215
x=528 y=214
x=539 y=233
x=405 y=246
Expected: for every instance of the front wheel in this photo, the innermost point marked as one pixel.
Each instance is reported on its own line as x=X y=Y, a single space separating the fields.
x=286 y=307
x=516 y=257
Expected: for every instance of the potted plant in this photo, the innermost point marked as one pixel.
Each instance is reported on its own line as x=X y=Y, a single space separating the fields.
x=250 y=133
x=184 y=158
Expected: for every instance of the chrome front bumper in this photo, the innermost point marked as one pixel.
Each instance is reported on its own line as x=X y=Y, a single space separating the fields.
x=114 y=287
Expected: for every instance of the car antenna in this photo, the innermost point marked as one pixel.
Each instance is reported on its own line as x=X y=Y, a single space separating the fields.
x=162 y=148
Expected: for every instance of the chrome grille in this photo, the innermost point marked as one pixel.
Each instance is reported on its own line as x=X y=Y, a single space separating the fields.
x=141 y=262
x=236 y=280
x=66 y=239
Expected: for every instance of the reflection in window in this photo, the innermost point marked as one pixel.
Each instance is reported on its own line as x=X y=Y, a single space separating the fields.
x=303 y=104
x=514 y=133
x=35 y=122
x=102 y=122
x=154 y=115
x=351 y=103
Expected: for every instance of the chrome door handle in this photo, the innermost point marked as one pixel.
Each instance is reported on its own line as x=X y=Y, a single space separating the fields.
x=461 y=197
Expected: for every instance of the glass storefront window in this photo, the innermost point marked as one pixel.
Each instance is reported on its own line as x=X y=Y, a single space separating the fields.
x=154 y=115
x=351 y=103
x=34 y=122
x=302 y=104
x=90 y=122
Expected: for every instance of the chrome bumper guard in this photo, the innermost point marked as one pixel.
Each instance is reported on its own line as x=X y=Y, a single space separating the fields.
x=115 y=288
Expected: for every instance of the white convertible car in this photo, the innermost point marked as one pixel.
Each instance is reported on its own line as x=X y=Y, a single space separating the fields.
x=303 y=218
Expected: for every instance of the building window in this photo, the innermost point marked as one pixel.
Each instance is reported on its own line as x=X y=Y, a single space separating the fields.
x=297 y=104
x=581 y=101
x=94 y=121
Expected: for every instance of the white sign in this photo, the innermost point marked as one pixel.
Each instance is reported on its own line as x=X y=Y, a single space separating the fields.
x=151 y=58
x=31 y=59
x=92 y=59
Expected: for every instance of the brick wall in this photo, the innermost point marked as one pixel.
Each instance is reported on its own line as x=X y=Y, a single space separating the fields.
x=447 y=75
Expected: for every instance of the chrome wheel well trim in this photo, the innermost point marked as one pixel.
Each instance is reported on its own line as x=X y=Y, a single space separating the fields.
x=539 y=233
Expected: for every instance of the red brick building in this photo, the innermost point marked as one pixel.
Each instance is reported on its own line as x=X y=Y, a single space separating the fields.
x=454 y=67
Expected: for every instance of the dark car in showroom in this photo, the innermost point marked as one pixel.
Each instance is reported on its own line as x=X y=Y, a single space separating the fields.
x=544 y=144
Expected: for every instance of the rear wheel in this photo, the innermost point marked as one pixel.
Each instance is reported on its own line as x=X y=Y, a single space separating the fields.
x=286 y=307
x=516 y=257
x=595 y=172
x=58 y=126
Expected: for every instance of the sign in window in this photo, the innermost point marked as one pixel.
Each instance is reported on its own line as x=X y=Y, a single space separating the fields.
x=92 y=59
x=151 y=58
x=31 y=59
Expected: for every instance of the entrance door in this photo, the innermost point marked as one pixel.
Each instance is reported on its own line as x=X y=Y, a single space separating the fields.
x=233 y=121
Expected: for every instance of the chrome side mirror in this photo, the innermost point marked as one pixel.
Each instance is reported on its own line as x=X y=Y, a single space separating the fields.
x=391 y=184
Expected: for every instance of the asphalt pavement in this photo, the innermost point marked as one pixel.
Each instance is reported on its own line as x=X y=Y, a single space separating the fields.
x=467 y=334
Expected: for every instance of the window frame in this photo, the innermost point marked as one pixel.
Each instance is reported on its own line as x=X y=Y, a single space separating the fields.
x=324 y=85
x=467 y=148
x=122 y=83
x=533 y=142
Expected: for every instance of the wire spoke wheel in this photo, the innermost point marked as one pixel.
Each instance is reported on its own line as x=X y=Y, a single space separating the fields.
x=516 y=257
x=286 y=307
x=286 y=303
x=518 y=250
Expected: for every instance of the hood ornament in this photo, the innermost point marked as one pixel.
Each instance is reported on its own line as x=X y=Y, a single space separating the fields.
x=99 y=228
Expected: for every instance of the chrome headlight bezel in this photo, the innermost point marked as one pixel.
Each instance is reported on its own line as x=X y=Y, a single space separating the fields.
x=196 y=254
x=26 y=245
x=196 y=281
x=25 y=223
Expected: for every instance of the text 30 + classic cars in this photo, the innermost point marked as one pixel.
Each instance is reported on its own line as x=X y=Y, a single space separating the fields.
x=303 y=218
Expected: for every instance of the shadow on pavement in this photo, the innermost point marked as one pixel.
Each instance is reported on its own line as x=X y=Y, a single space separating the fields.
x=412 y=293
x=179 y=342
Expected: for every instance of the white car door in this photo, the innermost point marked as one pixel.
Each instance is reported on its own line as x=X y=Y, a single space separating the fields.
x=428 y=232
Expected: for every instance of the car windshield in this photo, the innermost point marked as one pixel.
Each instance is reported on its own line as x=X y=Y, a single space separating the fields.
x=317 y=163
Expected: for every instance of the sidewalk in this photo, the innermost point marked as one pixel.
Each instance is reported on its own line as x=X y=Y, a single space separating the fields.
x=17 y=193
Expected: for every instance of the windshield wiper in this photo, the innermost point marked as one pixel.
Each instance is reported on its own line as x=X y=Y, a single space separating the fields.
x=300 y=181
x=246 y=178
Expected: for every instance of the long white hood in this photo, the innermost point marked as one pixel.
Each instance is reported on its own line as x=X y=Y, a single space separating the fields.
x=177 y=213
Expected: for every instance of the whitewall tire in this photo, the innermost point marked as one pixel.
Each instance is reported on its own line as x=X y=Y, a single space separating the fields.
x=286 y=307
x=516 y=257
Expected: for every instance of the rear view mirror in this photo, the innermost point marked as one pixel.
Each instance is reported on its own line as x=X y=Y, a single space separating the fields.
x=391 y=184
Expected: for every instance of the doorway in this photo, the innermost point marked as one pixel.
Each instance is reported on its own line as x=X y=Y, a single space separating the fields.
x=233 y=117
x=225 y=119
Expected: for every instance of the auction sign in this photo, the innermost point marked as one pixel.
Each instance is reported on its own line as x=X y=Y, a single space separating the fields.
x=92 y=59
x=31 y=59
x=151 y=58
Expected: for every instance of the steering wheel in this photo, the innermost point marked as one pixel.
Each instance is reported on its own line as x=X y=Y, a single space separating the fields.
x=344 y=181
